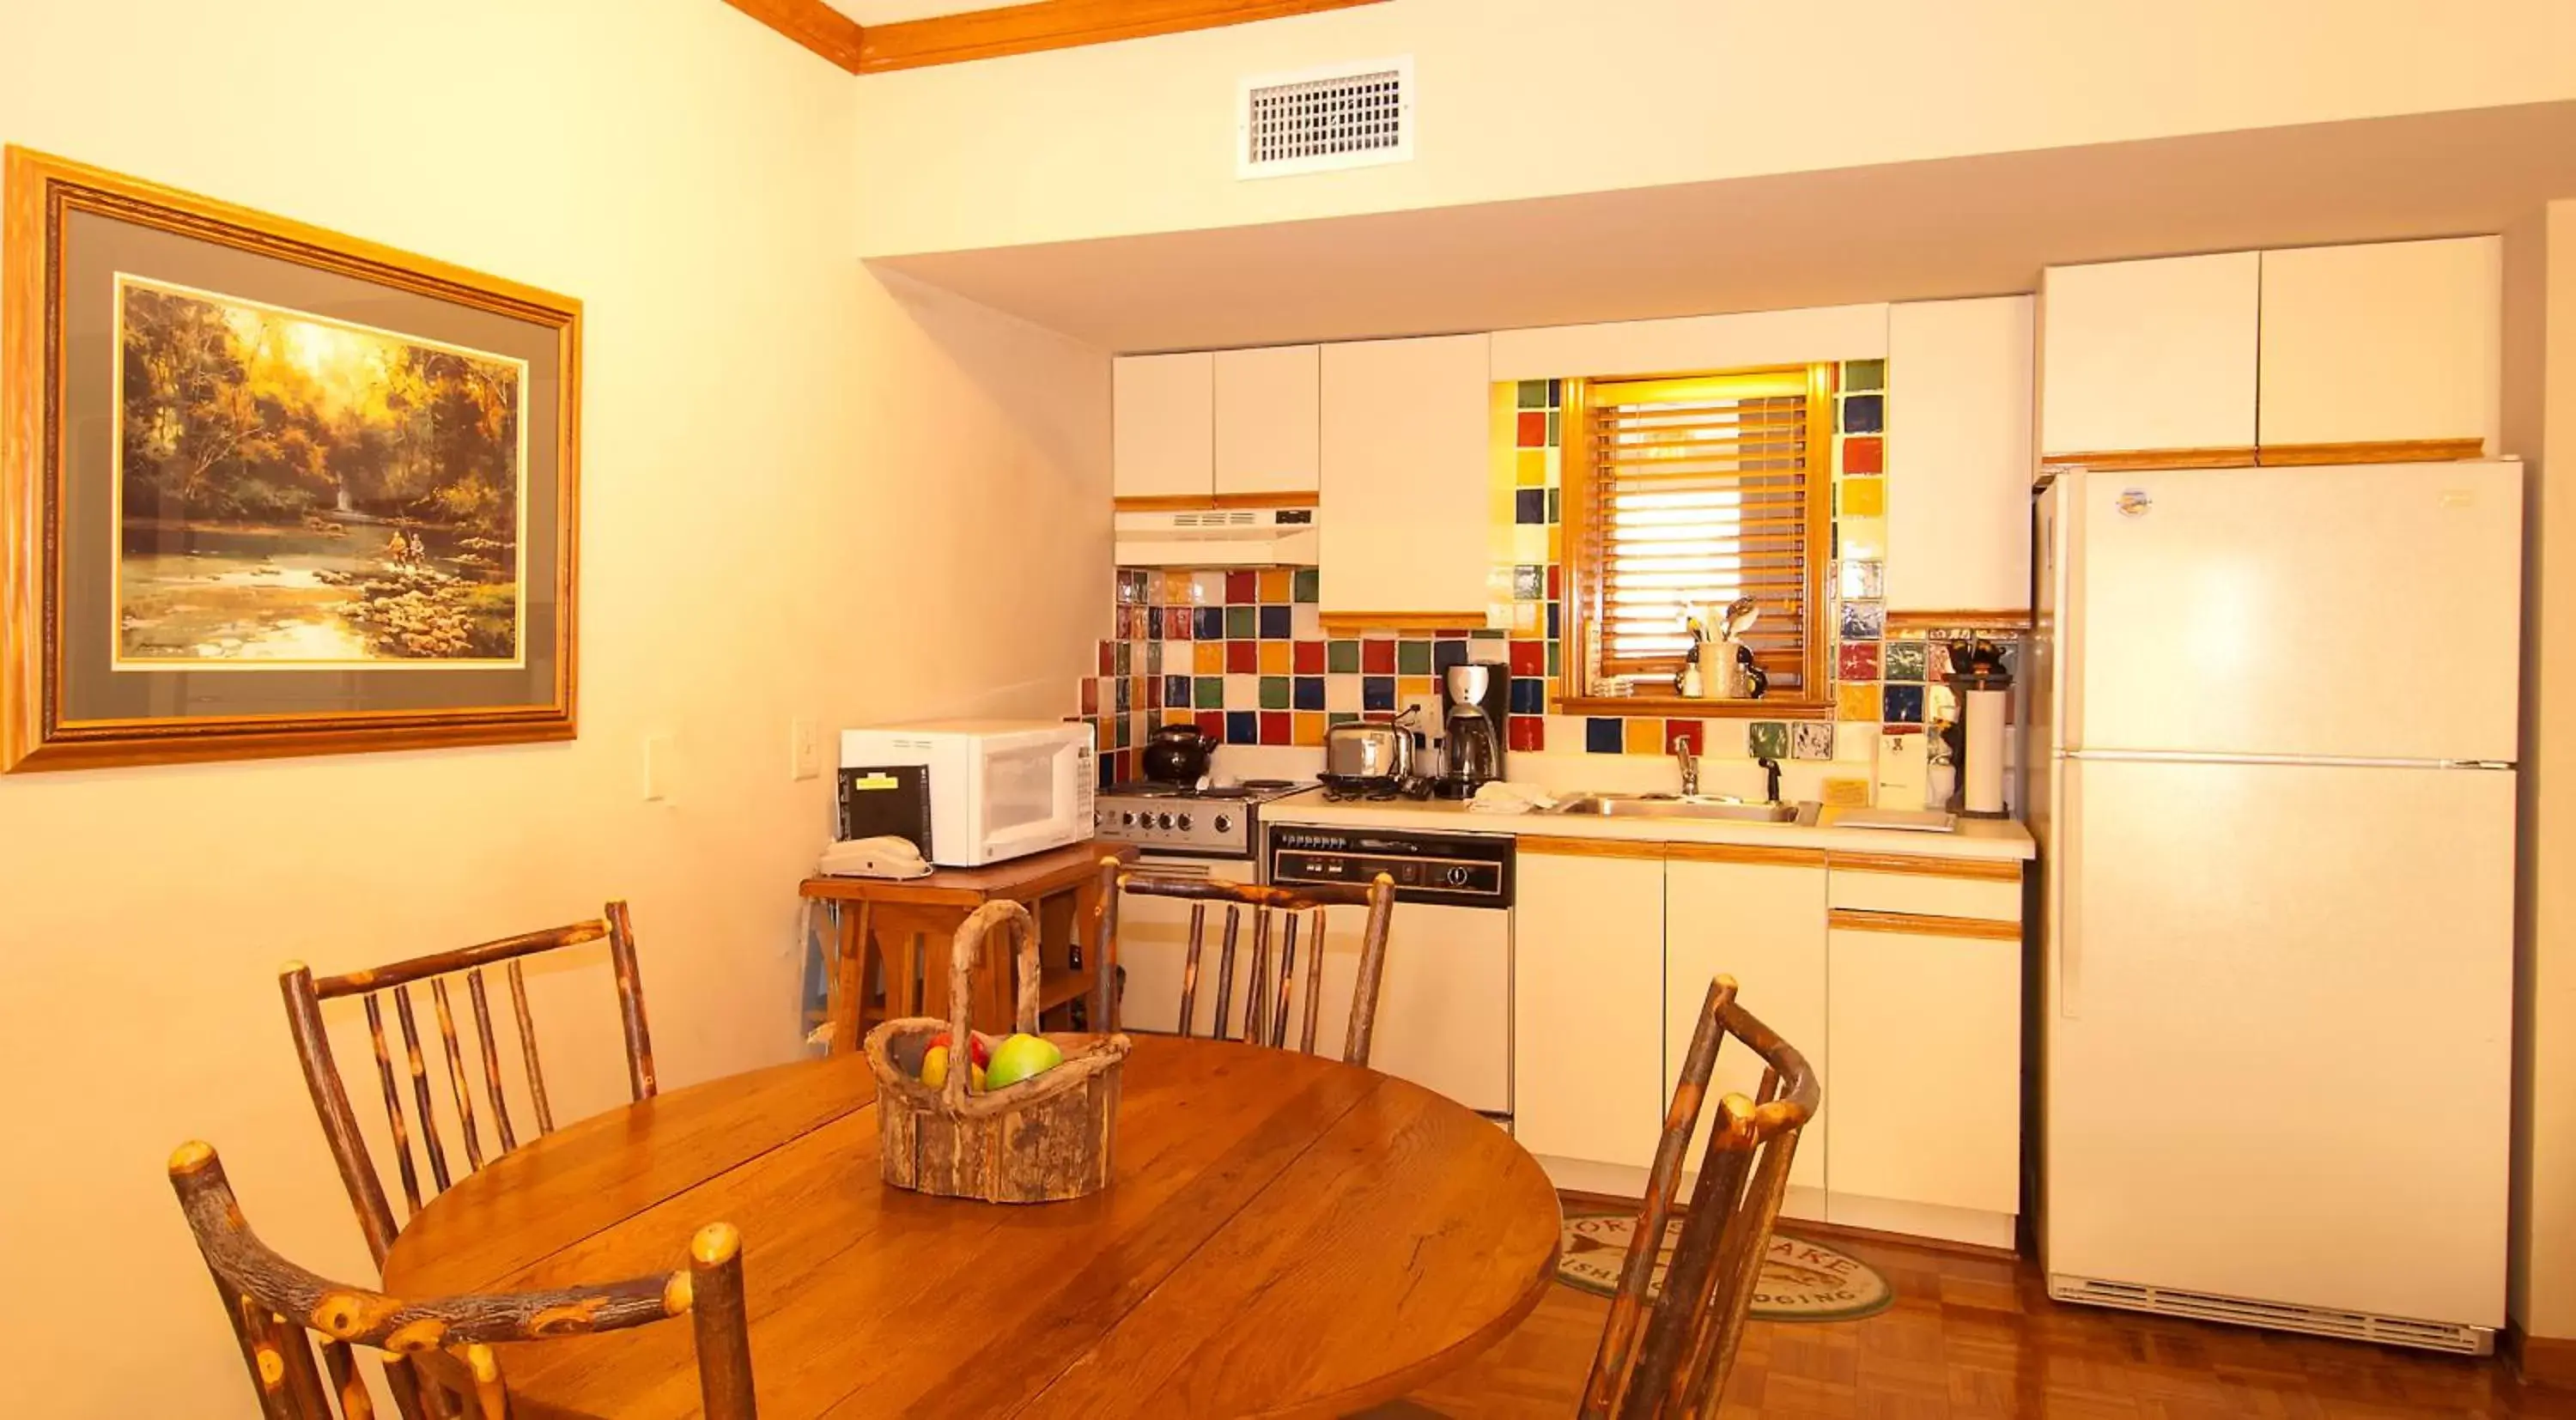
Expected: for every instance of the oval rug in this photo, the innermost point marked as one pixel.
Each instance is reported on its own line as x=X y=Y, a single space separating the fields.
x=1801 y=1280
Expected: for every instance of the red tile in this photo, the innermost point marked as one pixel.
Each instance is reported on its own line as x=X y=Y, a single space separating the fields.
x=1376 y=658
x=1243 y=658
x=1865 y=455
x=1309 y=658
x=1555 y=584
x=1091 y=695
x=1176 y=623
x=1242 y=588
x=1153 y=692
x=1685 y=730
x=1211 y=723
x=1109 y=658
x=1274 y=727
x=1858 y=661
x=1528 y=734
x=1529 y=658
x=1533 y=432
x=1122 y=766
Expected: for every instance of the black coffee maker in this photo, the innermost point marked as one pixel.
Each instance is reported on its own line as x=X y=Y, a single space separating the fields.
x=1476 y=696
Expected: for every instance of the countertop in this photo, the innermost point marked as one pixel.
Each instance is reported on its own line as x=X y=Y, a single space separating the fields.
x=2000 y=840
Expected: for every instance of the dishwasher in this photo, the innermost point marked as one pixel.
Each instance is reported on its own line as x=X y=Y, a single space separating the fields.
x=1444 y=1013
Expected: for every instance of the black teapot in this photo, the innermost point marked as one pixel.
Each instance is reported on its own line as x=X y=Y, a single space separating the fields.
x=1178 y=754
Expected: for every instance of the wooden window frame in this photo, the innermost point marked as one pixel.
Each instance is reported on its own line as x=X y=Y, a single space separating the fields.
x=1583 y=589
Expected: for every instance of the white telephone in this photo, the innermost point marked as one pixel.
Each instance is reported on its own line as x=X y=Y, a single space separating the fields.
x=887 y=857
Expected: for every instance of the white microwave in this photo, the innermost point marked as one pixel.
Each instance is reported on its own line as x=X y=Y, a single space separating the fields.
x=996 y=789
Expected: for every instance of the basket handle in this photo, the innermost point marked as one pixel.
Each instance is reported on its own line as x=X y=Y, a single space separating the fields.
x=966 y=953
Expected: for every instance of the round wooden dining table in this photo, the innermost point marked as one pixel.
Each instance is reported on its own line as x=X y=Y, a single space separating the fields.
x=1281 y=1236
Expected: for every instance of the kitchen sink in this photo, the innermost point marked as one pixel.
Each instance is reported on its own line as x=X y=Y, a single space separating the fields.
x=1679 y=806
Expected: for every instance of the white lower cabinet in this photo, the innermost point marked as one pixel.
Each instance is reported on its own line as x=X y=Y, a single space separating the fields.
x=1900 y=981
x=1757 y=915
x=1926 y=1090
x=1587 y=1005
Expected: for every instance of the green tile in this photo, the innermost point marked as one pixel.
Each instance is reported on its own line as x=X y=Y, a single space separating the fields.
x=1242 y=623
x=1307 y=586
x=1769 y=739
x=1860 y=375
x=1533 y=394
x=1552 y=670
x=1207 y=692
x=1340 y=717
x=1274 y=692
x=1553 y=435
x=1342 y=657
x=1413 y=658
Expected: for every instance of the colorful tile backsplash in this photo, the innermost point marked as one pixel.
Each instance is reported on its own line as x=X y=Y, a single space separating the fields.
x=1241 y=652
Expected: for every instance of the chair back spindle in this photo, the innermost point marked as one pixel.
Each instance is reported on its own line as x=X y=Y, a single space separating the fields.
x=418 y=1126
x=1284 y=920
x=282 y=1314
x=1666 y=1356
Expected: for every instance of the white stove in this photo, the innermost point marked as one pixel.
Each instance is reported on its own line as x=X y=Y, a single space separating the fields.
x=1218 y=821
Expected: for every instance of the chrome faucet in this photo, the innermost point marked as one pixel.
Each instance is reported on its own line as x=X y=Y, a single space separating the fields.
x=1690 y=764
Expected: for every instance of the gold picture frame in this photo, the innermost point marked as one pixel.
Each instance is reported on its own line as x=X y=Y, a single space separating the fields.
x=183 y=384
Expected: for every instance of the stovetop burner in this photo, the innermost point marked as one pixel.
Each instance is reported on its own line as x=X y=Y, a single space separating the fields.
x=1249 y=789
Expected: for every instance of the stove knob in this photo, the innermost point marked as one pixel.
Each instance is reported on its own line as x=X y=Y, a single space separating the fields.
x=1165 y=821
x=1185 y=823
x=1127 y=819
x=1224 y=824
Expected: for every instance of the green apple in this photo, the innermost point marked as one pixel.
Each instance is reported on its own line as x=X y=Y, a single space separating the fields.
x=1021 y=1057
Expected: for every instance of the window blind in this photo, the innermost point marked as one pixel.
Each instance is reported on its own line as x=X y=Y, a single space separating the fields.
x=1704 y=490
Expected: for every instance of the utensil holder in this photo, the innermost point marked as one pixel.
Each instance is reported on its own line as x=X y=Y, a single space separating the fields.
x=1049 y=1137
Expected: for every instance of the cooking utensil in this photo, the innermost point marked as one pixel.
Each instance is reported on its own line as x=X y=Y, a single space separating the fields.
x=1177 y=754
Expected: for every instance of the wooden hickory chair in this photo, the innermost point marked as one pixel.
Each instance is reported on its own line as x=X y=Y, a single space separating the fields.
x=1267 y=981
x=1665 y=1353
x=305 y=994
x=276 y=1307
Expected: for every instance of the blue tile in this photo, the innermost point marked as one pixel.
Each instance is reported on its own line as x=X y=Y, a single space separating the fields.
x=1176 y=690
x=1309 y=692
x=1243 y=727
x=1864 y=621
x=1124 y=693
x=1445 y=654
x=1529 y=505
x=1529 y=695
x=1154 y=623
x=1274 y=623
x=1904 y=704
x=1207 y=623
x=1552 y=631
x=1604 y=735
x=1864 y=413
x=1377 y=692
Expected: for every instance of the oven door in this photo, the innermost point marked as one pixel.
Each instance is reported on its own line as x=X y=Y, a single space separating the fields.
x=1153 y=945
x=1028 y=793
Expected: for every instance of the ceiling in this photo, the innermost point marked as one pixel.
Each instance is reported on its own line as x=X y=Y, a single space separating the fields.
x=1912 y=231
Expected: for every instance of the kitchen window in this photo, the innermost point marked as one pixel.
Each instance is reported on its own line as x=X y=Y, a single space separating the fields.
x=1690 y=492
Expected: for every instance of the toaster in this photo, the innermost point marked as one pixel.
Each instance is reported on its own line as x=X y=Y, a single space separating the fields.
x=1368 y=754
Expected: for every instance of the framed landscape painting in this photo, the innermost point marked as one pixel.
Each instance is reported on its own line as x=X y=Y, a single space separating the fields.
x=268 y=490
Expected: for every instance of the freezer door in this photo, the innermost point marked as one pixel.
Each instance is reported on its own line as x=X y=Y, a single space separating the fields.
x=2279 y=1010
x=2369 y=612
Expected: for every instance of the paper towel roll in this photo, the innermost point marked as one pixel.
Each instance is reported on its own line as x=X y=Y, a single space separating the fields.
x=1984 y=711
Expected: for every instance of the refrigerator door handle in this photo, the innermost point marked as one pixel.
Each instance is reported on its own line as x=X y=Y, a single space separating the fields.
x=2069 y=873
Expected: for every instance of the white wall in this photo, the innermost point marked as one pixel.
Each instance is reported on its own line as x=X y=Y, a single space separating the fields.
x=803 y=493
x=2540 y=425
x=1530 y=98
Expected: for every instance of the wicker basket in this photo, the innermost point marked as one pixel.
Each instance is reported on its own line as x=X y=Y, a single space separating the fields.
x=1048 y=1137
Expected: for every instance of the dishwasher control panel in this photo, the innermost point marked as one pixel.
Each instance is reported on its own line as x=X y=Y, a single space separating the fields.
x=1454 y=869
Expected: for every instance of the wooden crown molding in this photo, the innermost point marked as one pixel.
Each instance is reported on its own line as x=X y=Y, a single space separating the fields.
x=1011 y=29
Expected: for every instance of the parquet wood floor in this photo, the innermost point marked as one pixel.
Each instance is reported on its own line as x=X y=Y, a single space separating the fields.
x=1974 y=1339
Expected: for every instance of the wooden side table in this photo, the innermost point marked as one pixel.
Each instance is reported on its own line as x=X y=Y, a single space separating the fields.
x=891 y=939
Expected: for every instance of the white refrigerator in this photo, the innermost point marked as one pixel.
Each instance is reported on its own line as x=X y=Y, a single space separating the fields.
x=2275 y=712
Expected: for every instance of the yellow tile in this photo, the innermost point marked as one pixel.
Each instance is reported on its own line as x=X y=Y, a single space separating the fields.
x=1862 y=538
x=1276 y=658
x=1856 y=701
x=1864 y=497
x=1105 y=733
x=1307 y=728
x=1277 y=585
x=1533 y=468
x=1176 y=589
x=1208 y=657
x=1644 y=736
x=1555 y=542
x=1178 y=715
x=1411 y=687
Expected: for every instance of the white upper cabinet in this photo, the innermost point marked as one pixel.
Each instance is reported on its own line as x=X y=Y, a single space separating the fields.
x=1269 y=419
x=2397 y=341
x=2149 y=355
x=1959 y=416
x=1162 y=426
x=1406 y=459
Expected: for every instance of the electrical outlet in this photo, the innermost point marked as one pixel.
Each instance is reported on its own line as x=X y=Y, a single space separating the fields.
x=661 y=755
x=804 y=752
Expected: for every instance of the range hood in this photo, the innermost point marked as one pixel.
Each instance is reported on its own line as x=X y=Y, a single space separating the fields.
x=1217 y=537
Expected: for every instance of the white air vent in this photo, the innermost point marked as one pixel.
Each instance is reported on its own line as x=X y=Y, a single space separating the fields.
x=2280 y=1316
x=1319 y=120
x=1223 y=518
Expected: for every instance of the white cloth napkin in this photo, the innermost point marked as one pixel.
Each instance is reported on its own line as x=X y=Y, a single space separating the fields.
x=1497 y=797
